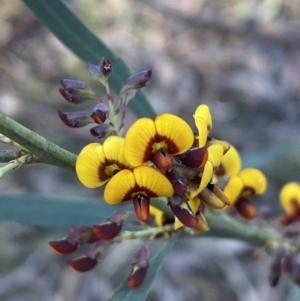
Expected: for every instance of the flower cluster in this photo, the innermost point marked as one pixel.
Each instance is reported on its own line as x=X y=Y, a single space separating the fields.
x=160 y=160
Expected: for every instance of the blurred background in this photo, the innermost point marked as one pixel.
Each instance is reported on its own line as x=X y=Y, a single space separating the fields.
x=242 y=58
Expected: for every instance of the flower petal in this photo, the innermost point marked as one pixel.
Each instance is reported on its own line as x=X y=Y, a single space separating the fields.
x=175 y=132
x=158 y=216
x=254 y=180
x=203 y=123
x=152 y=182
x=205 y=179
x=120 y=187
x=87 y=165
x=233 y=189
x=215 y=154
x=290 y=196
x=230 y=163
x=139 y=141
x=114 y=150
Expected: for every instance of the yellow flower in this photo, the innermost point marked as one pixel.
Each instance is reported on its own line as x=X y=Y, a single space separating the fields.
x=290 y=196
x=248 y=182
x=139 y=185
x=146 y=137
x=97 y=163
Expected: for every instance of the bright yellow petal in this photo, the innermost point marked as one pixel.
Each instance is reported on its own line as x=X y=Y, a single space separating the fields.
x=152 y=182
x=215 y=154
x=139 y=141
x=175 y=132
x=158 y=215
x=87 y=165
x=255 y=182
x=233 y=189
x=230 y=163
x=177 y=223
x=113 y=149
x=120 y=187
x=194 y=204
x=205 y=179
x=203 y=123
x=290 y=196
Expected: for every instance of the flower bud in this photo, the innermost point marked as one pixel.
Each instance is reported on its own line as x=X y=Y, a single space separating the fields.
x=112 y=226
x=100 y=113
x=63 y=247
x=140 y=265
x=75 y=119
x=195 y=157
x=245 y=208
x=184 y=213
x=81 y=235
x=137 y=81
x=76 y=238
x=82 y=264
x=76 y=91
x=101 y=130
x=105 y=67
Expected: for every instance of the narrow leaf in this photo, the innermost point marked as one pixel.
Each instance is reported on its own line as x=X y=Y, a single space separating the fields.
x=65 y=25
x=53 y=211
x=125 y=293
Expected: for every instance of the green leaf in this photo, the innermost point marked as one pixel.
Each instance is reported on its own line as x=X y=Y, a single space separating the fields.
x=65 y=25
x=52 y=211
x=125 y=293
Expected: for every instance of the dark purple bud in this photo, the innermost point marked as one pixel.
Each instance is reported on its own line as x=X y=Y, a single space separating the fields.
x=184 y=213
x=63 y=247
x=81 y=235
x=101 y=130
x=105 y=67
x=140 y=265
x=137 y=81
x=100 y=113
x=94 y=70
x=112 y=226
x=76 y=91
x=195 y=157
x=75 y=119
x=73 y=84
x=82 y=264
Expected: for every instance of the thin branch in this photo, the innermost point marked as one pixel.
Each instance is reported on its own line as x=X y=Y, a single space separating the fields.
x=44 y=150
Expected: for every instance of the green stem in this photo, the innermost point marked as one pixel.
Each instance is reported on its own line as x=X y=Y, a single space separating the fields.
x=149 y=232
x=224 y=226
x=44 y=150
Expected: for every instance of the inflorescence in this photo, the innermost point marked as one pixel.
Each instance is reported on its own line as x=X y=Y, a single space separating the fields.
x=163 y=160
